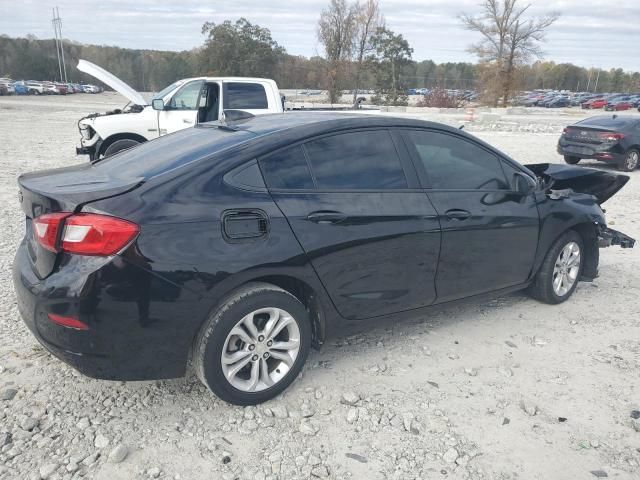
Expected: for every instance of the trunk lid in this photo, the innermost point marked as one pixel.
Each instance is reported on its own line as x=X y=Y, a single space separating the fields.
x=62 y=190
x=114 y=82
x=601 y=184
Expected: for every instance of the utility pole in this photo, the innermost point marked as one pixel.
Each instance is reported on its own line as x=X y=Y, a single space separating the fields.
x=595 y=89
x=57 y=30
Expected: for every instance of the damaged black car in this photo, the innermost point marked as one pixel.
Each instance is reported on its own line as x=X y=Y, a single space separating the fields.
x=236 y=246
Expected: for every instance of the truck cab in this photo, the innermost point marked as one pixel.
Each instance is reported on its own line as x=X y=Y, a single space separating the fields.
x=181 y=105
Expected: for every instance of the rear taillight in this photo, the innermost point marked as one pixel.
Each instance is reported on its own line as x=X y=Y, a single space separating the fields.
x=610 y=137
x=47 y=227
x=84 y=233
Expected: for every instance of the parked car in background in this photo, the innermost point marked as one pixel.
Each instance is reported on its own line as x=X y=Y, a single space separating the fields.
x=618 y=105
x=20 y=88
x=594 y=103
x=182 y=104
x=613 y=139
x=35 y=88
x=6 y=87
x=559 y=102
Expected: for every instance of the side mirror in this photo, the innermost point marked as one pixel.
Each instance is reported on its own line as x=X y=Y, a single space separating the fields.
x=523 y=184
x=157 y=104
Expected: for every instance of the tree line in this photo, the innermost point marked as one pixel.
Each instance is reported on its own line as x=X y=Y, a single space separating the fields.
x=359 y=52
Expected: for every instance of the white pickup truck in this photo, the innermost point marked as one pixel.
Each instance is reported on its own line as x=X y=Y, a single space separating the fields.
x=180 y=105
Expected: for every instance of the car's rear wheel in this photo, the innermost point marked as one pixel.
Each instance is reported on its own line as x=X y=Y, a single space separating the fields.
x=119 y=145
x=254 y=345
x=559 y=273
x=571 y=160
x=630 y=162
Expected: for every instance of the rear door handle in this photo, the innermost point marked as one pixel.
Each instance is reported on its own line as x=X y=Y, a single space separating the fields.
x=326 y=216
x=184 y=120
x=457 y=214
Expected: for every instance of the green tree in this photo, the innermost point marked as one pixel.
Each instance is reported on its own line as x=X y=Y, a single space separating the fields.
x=391 y=53
x=239 y=48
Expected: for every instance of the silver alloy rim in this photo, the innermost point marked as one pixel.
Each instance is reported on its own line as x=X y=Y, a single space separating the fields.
x=632 y=160
x=260 y=349
x=565 y=271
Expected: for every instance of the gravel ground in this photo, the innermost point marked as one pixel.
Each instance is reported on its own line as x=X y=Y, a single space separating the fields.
x=500 y=389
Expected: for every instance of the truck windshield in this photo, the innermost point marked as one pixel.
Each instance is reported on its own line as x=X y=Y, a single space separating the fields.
x=162 y=93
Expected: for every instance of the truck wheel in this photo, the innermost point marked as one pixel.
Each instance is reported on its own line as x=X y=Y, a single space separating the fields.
x=571 y=160
x=630 y=162
x=120 y=145
x=254 y=345
x=561 y=269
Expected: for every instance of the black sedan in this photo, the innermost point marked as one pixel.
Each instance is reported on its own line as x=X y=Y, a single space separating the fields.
x=608 y=138
x=238 y=245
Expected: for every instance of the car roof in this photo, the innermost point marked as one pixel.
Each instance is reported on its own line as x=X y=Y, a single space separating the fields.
x=609 y=121
x=302 y=124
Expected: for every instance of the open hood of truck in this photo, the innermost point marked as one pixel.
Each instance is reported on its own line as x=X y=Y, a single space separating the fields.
x=113 y=81
x=603 y=185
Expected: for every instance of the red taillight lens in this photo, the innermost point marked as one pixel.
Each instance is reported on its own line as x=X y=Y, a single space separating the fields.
x=46 y=228
x=84 y=233
x=68 y=322
x=611 y=137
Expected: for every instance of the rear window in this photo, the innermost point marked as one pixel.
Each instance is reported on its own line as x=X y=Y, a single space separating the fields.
x=287 y=168
x=244 y=96
x=171 y=151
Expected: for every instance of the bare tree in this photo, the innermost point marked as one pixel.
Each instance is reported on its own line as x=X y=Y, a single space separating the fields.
x=368 y=19
x=508 y=41
x=336 y=32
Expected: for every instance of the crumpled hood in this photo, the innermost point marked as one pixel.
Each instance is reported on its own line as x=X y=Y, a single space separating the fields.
x=603 y=185
x=113 y=81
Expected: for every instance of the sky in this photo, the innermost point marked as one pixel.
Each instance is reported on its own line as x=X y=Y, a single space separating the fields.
x=590 y=33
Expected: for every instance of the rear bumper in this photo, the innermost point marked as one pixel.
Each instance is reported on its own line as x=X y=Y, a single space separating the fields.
x=608 y=153
x=131 y=334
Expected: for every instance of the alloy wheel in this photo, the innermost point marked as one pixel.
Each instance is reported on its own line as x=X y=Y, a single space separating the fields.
x=260 y=349
x=632 y=160
x=566 y=268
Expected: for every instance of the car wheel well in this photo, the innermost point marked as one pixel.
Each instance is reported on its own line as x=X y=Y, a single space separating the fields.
x=307 y=295
x=589 y=234
x=119 y=136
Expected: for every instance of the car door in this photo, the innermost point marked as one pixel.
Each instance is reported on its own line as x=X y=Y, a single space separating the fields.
x=353 y=202
x=489 y=230
x=182 y=109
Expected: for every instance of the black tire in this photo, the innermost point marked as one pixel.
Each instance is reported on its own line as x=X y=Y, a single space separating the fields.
x=210 y=341
x=630 y=162
x=119 y=145
x=542 y=287
x=571 y=160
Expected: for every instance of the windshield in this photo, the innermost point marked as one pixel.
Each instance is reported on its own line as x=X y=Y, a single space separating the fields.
x=162 y=93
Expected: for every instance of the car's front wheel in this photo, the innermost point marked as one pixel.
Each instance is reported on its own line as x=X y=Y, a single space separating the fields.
x=561 y=269
x=254 y=345
x=571 y=160
x=630 y=161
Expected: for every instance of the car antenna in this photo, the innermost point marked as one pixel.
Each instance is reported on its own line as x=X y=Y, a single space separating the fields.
x=615 y=116
x=461 y=127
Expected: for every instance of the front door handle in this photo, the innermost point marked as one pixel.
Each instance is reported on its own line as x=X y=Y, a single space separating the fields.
x=184 y=120
x=326 y=216
x=457 y=214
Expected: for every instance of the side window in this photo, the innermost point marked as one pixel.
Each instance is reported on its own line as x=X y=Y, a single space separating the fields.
x=244 y=96
x=451 y=162
x=357 y=160
x=187 y=97
x=287 y=168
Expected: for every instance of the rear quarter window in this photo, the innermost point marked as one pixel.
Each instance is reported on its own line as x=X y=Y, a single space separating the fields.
x=244 y=96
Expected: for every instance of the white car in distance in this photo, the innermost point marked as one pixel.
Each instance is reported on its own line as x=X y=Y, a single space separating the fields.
x=182 y=104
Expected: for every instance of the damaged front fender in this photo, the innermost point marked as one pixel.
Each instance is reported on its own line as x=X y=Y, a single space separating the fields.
x=559 y=178
x=608 y=237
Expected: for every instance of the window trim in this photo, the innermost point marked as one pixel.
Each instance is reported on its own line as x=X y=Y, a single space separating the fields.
x=423 y=175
